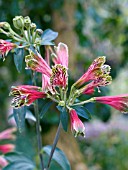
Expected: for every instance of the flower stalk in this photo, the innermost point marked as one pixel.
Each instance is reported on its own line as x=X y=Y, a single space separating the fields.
x=39 y=139
x=54 y=144
x=84 y=102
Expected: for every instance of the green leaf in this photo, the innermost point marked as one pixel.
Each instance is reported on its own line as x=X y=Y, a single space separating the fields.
x=63 y=117
x=45 y=107
x=19 y=165
x=18 y=161
x=82 y=111
x=18 y=58
x=19 y=115
x=58 y=157
x=16 y=156
x=48 y=36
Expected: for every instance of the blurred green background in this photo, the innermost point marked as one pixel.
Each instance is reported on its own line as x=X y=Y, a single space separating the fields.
x=90 y=29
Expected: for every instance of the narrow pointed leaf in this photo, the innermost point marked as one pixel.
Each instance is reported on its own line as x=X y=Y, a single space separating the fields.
x=16 y=156
x=19 y=115
x=18 y=161
x=45 y=107
x=63 y=117
x=18 y=58
x=19 y=165
x=82 y=111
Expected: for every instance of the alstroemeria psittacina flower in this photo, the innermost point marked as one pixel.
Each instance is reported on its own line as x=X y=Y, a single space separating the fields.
x=25 y=95
x=77 y=127
x=57 y=75
x=96 y=70
x=5 y=47
x=102 y=80
x=118 y=102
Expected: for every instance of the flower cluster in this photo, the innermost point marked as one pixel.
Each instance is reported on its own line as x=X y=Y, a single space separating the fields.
x=55 y=85
x=56 y=76
x=97 y=75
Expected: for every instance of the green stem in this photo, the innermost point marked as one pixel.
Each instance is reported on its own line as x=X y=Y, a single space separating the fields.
x=54 y=144
x=14 y=33
x=24 y=35
x=39 y=140
x=17 y=39
x=47 y=57
x=11 y=35
x=33 y=36
x=29 y=35
x=52 y=98
x=61 y=93
x=84 y=102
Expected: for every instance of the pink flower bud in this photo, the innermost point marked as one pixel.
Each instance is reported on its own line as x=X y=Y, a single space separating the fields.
x=25 y=95
x=118 y=102
x=77 y=127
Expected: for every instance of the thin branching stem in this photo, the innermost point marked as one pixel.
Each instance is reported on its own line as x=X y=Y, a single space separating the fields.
x=54 y=144
x=39 y=140
x=84 y=102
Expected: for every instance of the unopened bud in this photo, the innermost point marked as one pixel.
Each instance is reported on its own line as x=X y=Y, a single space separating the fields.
x=18 y=22
x=27 y=22
x=5 y=25
x=33 y=26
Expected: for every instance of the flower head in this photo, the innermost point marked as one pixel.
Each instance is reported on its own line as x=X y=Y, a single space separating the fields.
x=25 y=95
x=96 y=70
x=77 y=127
x=118 y=102
x=58 y=75
x=5 y=47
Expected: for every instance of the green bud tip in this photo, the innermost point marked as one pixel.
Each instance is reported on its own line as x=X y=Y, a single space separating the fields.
x=27 y=21
x=18 y=22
